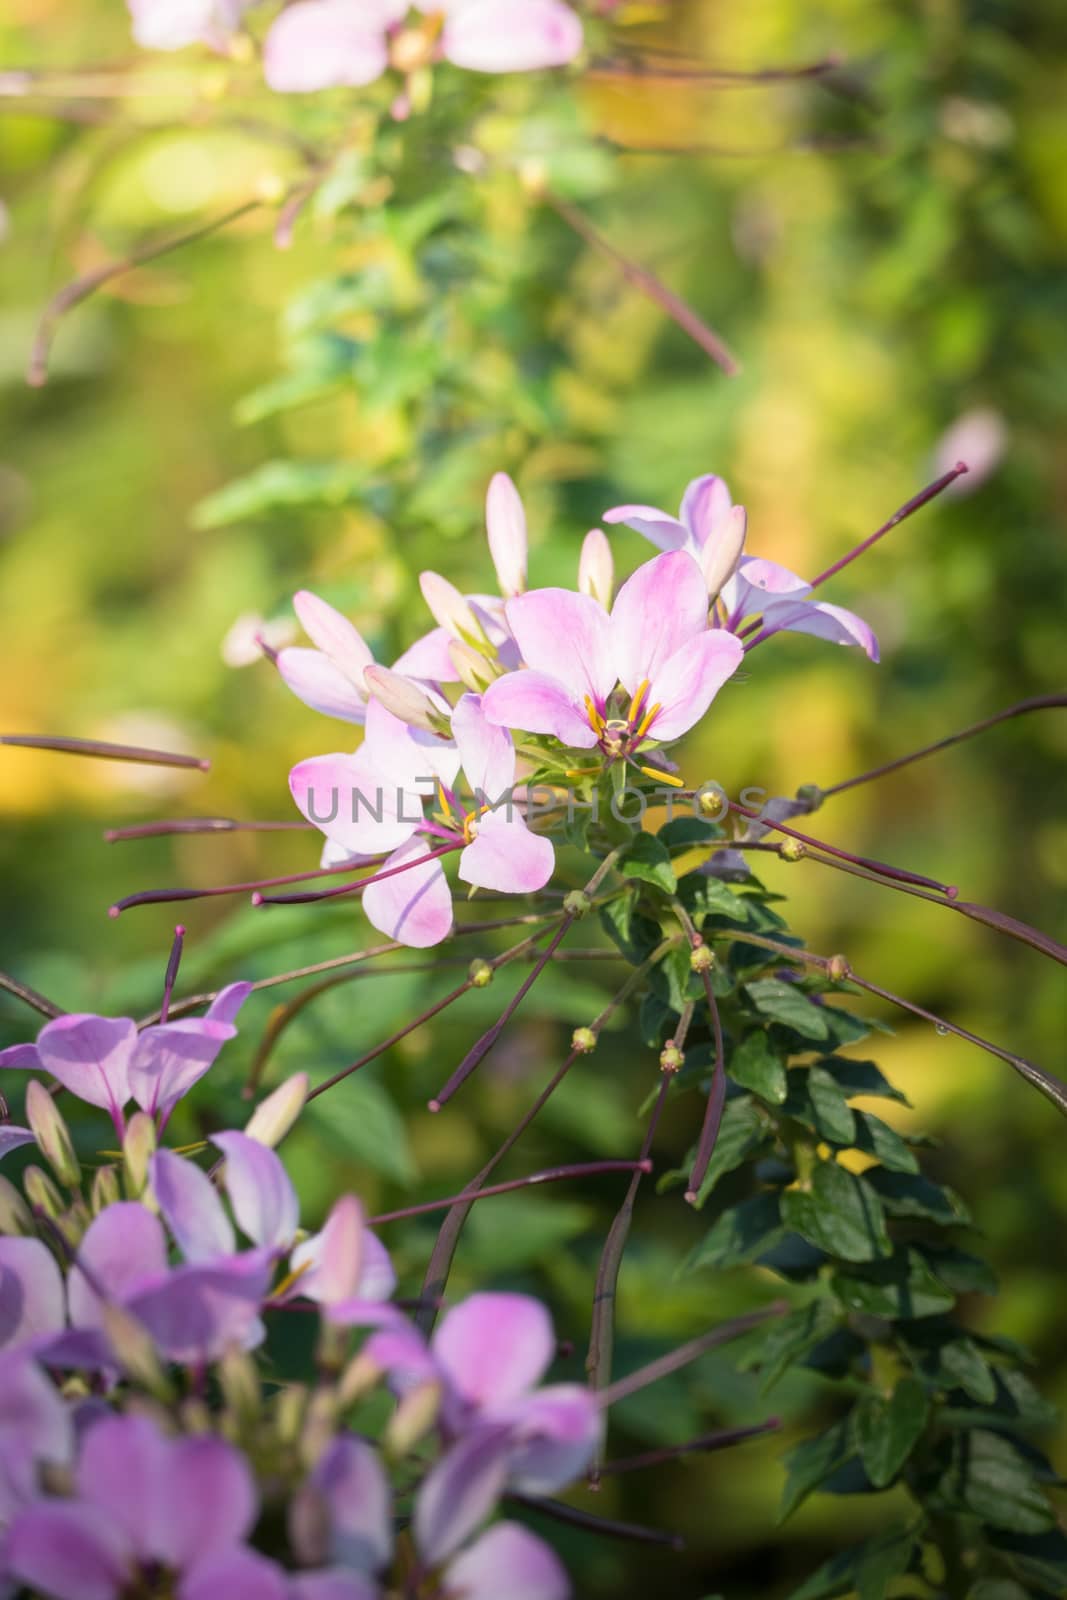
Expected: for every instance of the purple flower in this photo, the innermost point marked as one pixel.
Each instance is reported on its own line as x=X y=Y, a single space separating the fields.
x=322 y=44
x=655 y=643
x=712 y=530
x=173 y=24
x=142 y=1502
x=105 y=1061
x=35 y=1429
x=372 y=802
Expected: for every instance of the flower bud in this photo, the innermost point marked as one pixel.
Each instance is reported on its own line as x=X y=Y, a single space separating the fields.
x=413 y=1418
x=289 y=1406
x=583 y=1040
x=52 y=1134
x=701 y=959
x=450 y=610
x=577 y=903
x=105 y=1190
x=671 y=1059
x=14 y=1212
x=403 y=698
x=240 y=1385
x=475 y=671
x=133 y=1349
x=138 y=1146
x=359 y=1378
x=505 y=521
x=480 y=973
x=320 y=1425
x=596 y=567
x=792 y=849
x=838 y=969
x=722 y=552
x=42 y=1193
x=274 y=1116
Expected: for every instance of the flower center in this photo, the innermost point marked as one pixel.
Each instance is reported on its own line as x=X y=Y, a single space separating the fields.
x=621 y=736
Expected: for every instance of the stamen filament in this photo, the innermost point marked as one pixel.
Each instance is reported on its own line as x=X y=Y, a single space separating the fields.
x=596 y=721
x=647 y=720
x=640 y=694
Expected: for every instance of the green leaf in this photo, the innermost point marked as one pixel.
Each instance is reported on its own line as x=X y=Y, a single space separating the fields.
x=636 y=936
x=876 y=1138
x=756 y=1066
x=857 y=1078
x=997 y=1589
x=682 y=833
x=839 y=1213
x=887 y=1430
x=810 y=1463
x=834 y=1117
x=792 y=1337
x=710 y=897
x=901 y=1287
x=1040 y=1560
x=362 y=1121
x=741 y=1131
x=741 y=1234
x=989 y=1478
x=648 y=859
x=957 y=1269
x=785 y=1003
x=522 y=1230
x=279 y=486
x=964 y=1366
x=868 y=1568
x=653 y=1019
x=912 y=1195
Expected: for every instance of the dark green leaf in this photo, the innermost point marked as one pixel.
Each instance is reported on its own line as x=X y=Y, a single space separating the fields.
x=756 y=1066
x=710 y=897
x=887 y=1430
x=682 y=833
x=648 y=859
x=997 y=1589
x=741 y=1234
x=964 y=1273
x=1040 y=1559
x=963 y=1365
x=834 y=1117
x=654 y=1016
x=785 y=1003
x=362 y=1121
x=839 y=1213
x=902 y=1287
x=912 y=1195
x=792 y=1337
x=636 y=935
x=875 y=1137
x=810 y=1463
x=862 y=1078
x=988 y=1478
x=741 y=1131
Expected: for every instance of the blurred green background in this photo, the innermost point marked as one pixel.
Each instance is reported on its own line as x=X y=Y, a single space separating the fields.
x=892 y=267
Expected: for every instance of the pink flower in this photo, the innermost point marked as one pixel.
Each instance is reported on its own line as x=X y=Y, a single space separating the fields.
x=372 y=802
x=655 y=643
x=322 y=44
x=105 y=1061
x=712 y=530
x=173 y=24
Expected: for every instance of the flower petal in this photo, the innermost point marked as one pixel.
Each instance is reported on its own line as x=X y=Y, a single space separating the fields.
x=263 y=1199
x=756 y=584
x=690 y=679
x=123 y=1472
x=332 y=1583
x=705 y=504
x=657 y=610
x=510 y=1560
x=123 y=1250
x=720 y=556
x=825 y=621
x=413 y=906
x=408 y=755
x=459 y=1492
x=350 y=1483
x=334 y=635
x=190 y=1206
x=320 y=683
x=12 y=1138
x=235 y=1575
x=67 y=1551
x=596 y=567
x=664 y=531
x=505 y=855
x=429 y=658
x=171 y=1057
x=539 y=703
x=330 y=1263
x=568 y=637
x=485 y=750
x=212 y=1501
x=21 y=1057
x=555 y=1433
x=505 y=523
x=228 y=1002
x=32 y=1301
x=358 y=806
x=90 y=1056
x=323 y=44
x=511 y=35
x=495 y=1347
x=198 y=1312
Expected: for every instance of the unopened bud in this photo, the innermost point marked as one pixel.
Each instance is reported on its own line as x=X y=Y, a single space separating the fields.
x=838 y=969
x=596 y=567
x=450 y=609
x=360 y=1376
x=577 y=903
x=196 y=1416
x=413 y=1418
x=671 y=1059
x=52 y=1134
x=14 y=1212
x=42 y=1193
x=138 y=1147
x=105 y=1190
x=701 y=958
x=712 y=802
x=583 y=1040
x=320 y=1425
x=133 y=1349
x=810 y=795
x=240 y=1385
x=290 y=1404
x=792 y=849
x=722 y=550
x=480 y=973
x=403 y=698
x=274 y=1116
x=475 y=671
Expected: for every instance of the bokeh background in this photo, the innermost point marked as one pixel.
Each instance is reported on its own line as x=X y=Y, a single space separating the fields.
x=886 y=254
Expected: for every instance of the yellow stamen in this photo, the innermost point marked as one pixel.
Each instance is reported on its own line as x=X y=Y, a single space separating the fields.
x=664 y=777
x=445 y=808
x=596 y=721
x=291 y=1278
x=647 y=720
x=582 y=772
x=638 y=699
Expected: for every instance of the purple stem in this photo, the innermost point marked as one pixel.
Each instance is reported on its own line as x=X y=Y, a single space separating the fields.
x=881 y=868
x=352 y=888
x=607 y=1528
x=172 y=971
x=908 y=509
x=581 y=1169
x=183 y=825
x=105 y=752
x=685 y=1354
x=150 y=897
x=722 y=1439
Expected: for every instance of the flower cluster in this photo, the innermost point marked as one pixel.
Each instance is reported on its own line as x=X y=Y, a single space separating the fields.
x=120 y=1304
x=324 y=44
x=589 y=674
